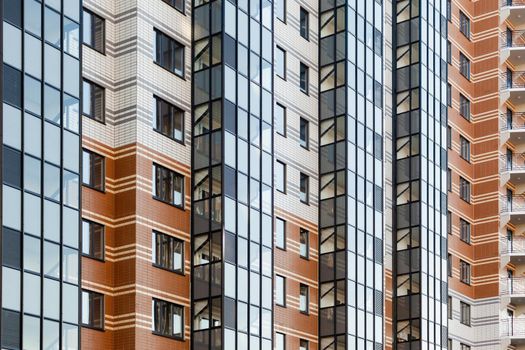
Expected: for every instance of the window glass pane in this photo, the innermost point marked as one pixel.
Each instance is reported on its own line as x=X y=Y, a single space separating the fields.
x=70 y=189
x=52 y=104
x=32 y=95
x=50 y=335
x=11 y=295
x=70 y=336
x=31 y=332
x=32 y=135
x=51 y=220
x=52 y=27
x=51 y=259
x=71 y=113
x=31 y=284
x=12 y=85
x=32 y=170
x=52 y=143
x=12 y=122
x=33 y=61
x=69 y=265
x=32 y=16
x=11 y=213
x=69 y=300
x=12 y=45
x=32 y=205
x=52 y=65
x=31 y=254
x=51 y=298
x=71 y=151
x=52 y=182
x=72 y=72
x=10 y=329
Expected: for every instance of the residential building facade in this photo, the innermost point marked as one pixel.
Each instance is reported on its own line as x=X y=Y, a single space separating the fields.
x=263 y=174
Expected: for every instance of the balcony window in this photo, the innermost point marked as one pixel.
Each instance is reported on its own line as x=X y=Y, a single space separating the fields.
x=464 y=273
x=280 y=119
x=280 y=62
x=168 y=186
x=280 y=341
x=449 y=95
x=449 y=222
x=303 y=243
x=304 y=130
x=168 y=252
x=449 y=309
x=465 y=148
x=449 y=52
x=464 y=65
x=304 y=19
x=464 y=107
x=93 y=101
x=168 y=319
x=93 y=239
x=94 y=31
x=304 y=188
x=168 y=120
x=280 y=290
x=280 y=233
x=465 y=313
x=464 y=24
x=464 y=230
x=280 y=176
x=449 y=265
x=92 y=309
x=304 y=296
x=169 y=53
x=303 y=77
x=464 y=189
x=449 y=10
x=93 y=170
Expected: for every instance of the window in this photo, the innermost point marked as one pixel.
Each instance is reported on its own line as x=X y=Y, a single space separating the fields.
x=449 y=95
x=280 y=119
x=93 y=170
x=168 y=252
x=280 y=62
x=449 y=222
x=92 y=239
x=303 y=78
x=449 y=137
x=449 y=345
x=464 y=347
x=449 y=52
x=169 y=53
x=280 y=286
x=303 y=23
x=168 y=186
x=280 y=233
x=449 y=10
x=464 y=273
x=465 y=148
x=280 y=343
x=93 y=101
x=449 y=309
x=464 y=24
x=168 y=319
x=303 y=344
x=304 y=130
x=449 y=180
x=304 y=188
x=464 y=189
x=177 y=4
x=464 y=230
x=280 y=176
x=168 y=119
x=449 y=265
x=280 y=10
x=304 y=242
x=92 y=309
x=464 y=107
x=94 y=31
x=303 y=298
x=465 y=313
x=464 y=65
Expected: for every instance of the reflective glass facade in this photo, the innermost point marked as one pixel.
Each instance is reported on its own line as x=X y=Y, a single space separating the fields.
x=420 y=120
x=232 y=211
x=40 y=177
x=351 y=175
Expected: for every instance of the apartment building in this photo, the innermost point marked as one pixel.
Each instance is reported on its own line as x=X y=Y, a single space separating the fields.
x=263 y=174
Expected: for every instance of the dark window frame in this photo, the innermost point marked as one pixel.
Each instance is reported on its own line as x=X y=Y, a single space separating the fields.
x=173 y=175
x=92 y=172
x=304 y=23
x=96 y=16
x=464 y=230
x=464 y=24
x=91 y=308
x=464 y=66
x=283 y=134
x=91 y=252
x=464 y=107
x=158 y=58
x=278 y=48
x=465 y=272
x=307 y=288
x=307 y=243
x=465 y=315
x=172 y=3
x=158 y=262
x=284 y=291
x=156 y=315
x=306 y=178
x=306 y=142
x=158 y=126
x=92 y=101
x=304 y=77
x=464 y=189
x=284 y=177
x=284 y=234
x=464 y=147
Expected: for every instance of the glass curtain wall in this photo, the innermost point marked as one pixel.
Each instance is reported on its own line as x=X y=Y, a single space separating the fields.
x=351 y=171
x=232 y=199
x=420 y=84
x=40 y=174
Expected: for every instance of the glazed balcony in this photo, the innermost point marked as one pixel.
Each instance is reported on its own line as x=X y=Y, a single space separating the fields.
x=513 y=329
x=512 y=128
x=513 y=288
x=512 y=85
x=512 y=169
x=512 y=250
x=513 y=11
x=512 y=44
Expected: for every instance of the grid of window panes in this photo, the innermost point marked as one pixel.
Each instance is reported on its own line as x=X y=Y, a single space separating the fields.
x=232 y=186
x=41 y=162
x=421 y=175
x=351 y=306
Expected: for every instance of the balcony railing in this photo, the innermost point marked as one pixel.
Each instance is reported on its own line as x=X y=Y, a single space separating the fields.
x=512 y=286
x=514 y=80
x=512 y=162
x=515 y=203
x=512 y=3
x=512 y=327
x=515 y=38
x=514 y=122
x=514 y=245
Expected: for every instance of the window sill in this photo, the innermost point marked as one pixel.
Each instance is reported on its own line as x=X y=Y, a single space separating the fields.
x=180 y=273
x=102 y=260
x=306 y=313
x=171 y=138
x=281 y=305
x=103 y=191
x=281 y=248
x=103 y=122
x=181 y=207
x=174 y=337
x=92 y=48
x=93 y=327
x=304 y=257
